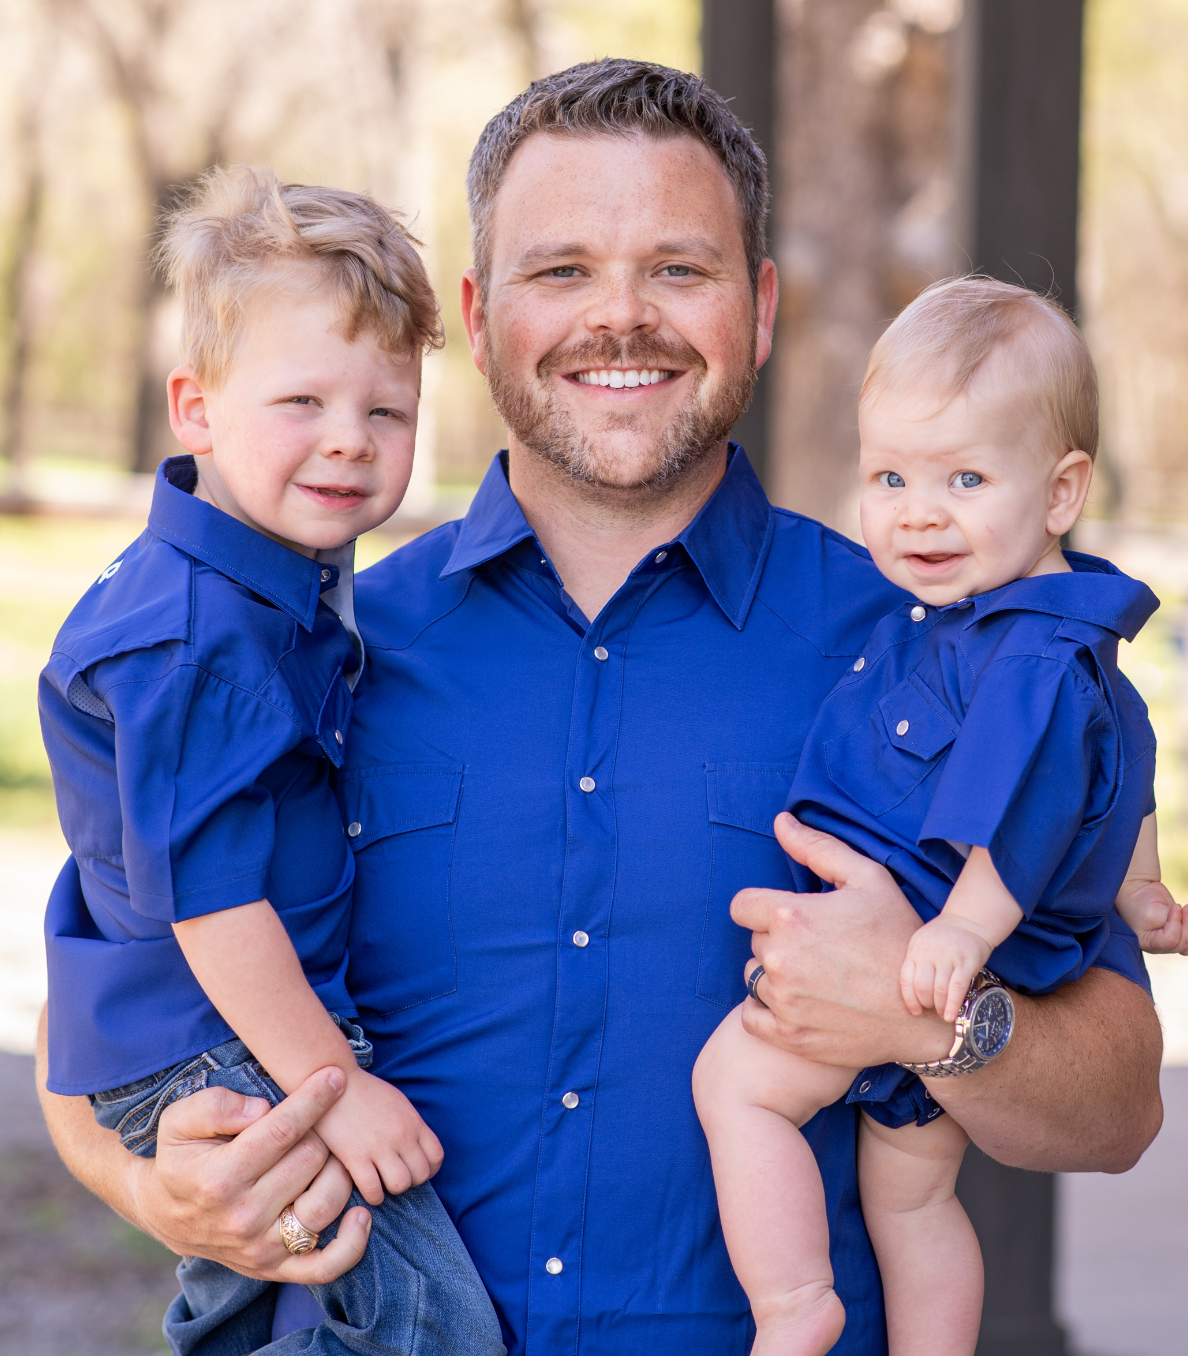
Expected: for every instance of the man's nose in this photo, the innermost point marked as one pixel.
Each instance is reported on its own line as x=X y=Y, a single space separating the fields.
x=619 y=305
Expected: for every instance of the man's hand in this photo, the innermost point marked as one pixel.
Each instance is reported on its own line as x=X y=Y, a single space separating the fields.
x=226 y=1167
x=379 y=1137
x=831 y=961
x=1077 y=1089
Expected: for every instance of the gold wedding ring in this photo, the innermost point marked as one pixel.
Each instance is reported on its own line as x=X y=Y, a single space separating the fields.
x=295 y=1236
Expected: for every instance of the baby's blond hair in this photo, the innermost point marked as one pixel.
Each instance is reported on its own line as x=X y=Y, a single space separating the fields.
x=944 y=337
x=230 y=243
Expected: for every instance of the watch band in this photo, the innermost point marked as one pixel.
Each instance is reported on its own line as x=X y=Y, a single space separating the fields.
x=965 y=1057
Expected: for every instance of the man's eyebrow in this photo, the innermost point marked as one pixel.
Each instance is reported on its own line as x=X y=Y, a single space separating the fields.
x=544 y=254
x=693 y=244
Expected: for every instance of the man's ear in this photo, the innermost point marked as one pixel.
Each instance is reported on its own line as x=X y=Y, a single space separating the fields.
x=1067 y=490
x=187 y=411
x=472 y=318
x=767 y=289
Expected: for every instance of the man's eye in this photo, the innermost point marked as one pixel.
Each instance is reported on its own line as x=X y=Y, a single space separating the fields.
x=893 y=480
x=677 y=271
x=564 y=271
x=967 y=480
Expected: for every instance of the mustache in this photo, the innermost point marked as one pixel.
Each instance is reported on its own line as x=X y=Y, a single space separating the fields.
x=643 y=350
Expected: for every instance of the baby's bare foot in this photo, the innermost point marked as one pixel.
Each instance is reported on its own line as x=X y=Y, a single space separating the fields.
x=806 y=1321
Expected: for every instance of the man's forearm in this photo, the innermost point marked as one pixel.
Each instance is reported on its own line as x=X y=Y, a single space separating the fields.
x=1077 y=1089
x=94 y=1155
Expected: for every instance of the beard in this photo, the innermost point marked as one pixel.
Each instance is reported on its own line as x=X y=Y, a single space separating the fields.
x=542 y=424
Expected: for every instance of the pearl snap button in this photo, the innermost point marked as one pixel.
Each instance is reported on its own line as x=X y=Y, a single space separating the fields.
x=581 y=938
x=661 y=556
x=587 y=783
x=859 y=664
x=554 y=1266
x=902 y=728
x=919 y=613
x=354 y=828
x=601 y=652
x=570 y=1100
x=325 y=575
x=338 y=735
x=864 y=1087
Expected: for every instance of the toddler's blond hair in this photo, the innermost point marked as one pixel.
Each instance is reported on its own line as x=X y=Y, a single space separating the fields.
x=230 y=243
x=944 y=337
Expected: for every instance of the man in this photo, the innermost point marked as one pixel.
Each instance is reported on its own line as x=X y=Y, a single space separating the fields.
x=582 y=711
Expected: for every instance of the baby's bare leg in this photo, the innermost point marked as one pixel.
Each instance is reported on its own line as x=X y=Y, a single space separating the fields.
x=928 y=1254
x=751 y=1097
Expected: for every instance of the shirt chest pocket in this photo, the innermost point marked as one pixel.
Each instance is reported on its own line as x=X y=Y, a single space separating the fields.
x=744 y=799
x=400 y=821
x=879 y=763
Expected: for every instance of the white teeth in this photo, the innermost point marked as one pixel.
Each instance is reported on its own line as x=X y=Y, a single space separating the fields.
x=619 y=380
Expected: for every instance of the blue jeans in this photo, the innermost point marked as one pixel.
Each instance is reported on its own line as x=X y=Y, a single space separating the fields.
x=415 y=1292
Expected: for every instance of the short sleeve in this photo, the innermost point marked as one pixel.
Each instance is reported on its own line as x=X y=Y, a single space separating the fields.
x=1036 y=761
x=192 y=756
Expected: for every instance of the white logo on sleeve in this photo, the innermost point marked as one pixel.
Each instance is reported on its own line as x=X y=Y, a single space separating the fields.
x=111 y=569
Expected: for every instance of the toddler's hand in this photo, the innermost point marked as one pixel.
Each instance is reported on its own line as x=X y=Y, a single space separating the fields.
x=942 y=959
x=1155 y=916
x=377 y=1135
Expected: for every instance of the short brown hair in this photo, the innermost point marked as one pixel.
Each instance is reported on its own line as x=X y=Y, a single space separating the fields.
x=943 y=338
x=617 y=97
x=223 y=246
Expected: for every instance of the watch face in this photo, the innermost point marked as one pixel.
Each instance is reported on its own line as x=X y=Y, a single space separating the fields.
x=990 y=1023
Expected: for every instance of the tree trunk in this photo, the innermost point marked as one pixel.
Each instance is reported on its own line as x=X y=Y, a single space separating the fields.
x=862 y=225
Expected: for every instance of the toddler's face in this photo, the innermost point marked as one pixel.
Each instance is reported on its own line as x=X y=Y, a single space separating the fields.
x=310 y=438
x=963 y=497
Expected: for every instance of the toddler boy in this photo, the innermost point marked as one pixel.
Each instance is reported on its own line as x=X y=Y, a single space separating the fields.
x=986 y=749
x=195 y=705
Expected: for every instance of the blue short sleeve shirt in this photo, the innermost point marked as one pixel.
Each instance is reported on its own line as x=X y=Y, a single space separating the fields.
x=193 y=706
x=1002 y=722
x=551 y=815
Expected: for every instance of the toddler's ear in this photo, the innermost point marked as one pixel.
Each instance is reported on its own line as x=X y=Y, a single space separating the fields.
x=187 y=411
x=1067 y=490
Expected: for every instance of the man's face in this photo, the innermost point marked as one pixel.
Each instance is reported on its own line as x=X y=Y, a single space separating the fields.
x=619 y=333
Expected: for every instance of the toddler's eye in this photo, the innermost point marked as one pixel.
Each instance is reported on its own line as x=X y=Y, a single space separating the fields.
x=893 y=480
x=967 y=480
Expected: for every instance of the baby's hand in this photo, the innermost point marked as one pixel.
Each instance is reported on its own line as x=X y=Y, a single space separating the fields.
x=942 y=959
x=1155 y=916
x=376 y=1134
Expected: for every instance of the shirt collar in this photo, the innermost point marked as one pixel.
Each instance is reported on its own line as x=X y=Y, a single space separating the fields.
x=727 y=541
x=290 y=580
x=1096 y=591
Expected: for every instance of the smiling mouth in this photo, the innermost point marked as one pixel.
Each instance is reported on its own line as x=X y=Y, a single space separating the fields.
x=934 y=558
x=332 y=491
x=618 y=378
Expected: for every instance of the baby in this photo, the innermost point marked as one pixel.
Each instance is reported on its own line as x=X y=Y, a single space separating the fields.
x=986 y=749
x=194 y=708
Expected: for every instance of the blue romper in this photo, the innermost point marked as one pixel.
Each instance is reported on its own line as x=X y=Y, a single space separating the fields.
x=1001 y=721
x=196 y=701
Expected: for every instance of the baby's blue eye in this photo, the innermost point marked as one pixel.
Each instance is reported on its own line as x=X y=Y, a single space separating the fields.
x=967 y=480
x=893 y=480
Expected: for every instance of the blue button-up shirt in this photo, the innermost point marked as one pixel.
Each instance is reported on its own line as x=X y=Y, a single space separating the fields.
x=195 y=701
x=553 y=815
x=1002 y=722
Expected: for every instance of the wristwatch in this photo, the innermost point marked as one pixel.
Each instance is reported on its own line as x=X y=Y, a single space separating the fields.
x=981 y=1033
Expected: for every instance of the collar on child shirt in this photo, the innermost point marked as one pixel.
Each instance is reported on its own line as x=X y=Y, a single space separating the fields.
x=1095 y=591
x=291 y=581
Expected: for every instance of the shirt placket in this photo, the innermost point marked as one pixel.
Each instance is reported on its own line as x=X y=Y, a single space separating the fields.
x=583 y=927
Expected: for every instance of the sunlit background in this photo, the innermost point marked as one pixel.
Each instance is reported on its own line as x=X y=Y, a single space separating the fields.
x=108 y=108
